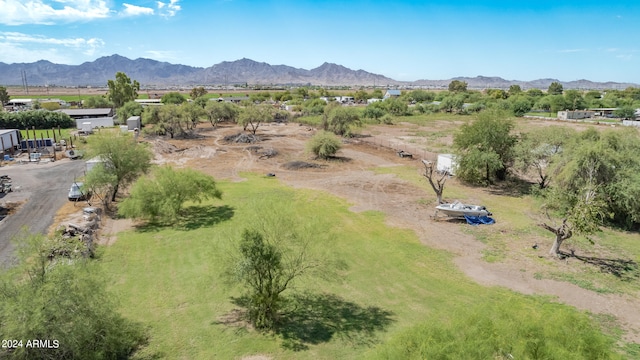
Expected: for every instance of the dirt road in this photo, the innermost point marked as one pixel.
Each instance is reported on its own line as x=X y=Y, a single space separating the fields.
x=41 y=189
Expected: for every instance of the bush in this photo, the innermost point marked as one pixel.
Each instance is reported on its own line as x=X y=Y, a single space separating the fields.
x=64 y=302
x=324 y=144
x=504 y=329
x=162 y=196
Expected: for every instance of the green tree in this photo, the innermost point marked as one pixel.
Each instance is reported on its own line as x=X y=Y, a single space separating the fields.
x=421 y=96
x=625 y=112
x=374 y=111
x=557 y=103
x=584 y=218
x=314 y=107
x=592 y=95
x=543 y=103
x=63 y=301
x=514 y=90
x=497 y=94
x=197 y=92
x=4 y=96
x=97 y=102
x=452 y=103
x=40 y=119
x=537 y=149
x=161 y=196
x=303 y=92
x=520 y=105
x=192 y=113
x=574 y=100
x=600 y=162
x=361 y=95
x=457 y=86
x=254 y=115
x=172 y=120
x=484 y=148
x=221 y=112
x=555 y=88
x=341 y=120
x=150 y=115
x=535 y=93
x=122 y=90
x=123 y=160
x=278 y=248
x=173 y=97
x=377 y=94
x=202 y=101
x=129 y=109
x=324 y=144
x=396 y=106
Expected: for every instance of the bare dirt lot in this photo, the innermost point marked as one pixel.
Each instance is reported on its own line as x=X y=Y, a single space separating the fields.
x=352 y=177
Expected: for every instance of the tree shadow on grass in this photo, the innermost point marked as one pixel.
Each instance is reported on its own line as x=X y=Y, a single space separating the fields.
x=193 y=217
x=311 y=319
x=514 y=187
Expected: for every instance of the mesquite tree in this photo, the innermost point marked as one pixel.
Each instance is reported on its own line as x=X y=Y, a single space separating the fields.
x=440 y=180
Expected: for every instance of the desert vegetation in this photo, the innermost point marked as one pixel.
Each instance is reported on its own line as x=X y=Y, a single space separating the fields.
x=284 y=266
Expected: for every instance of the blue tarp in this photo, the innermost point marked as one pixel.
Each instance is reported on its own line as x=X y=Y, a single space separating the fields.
x=479 y=220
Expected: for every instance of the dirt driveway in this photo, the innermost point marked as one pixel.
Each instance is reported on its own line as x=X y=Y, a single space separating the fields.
x=354 y=180
x=39 y=190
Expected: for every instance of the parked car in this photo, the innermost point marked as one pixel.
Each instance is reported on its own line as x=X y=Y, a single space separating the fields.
x=76 y=192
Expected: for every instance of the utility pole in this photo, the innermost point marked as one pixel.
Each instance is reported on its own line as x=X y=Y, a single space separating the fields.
x=24 y=82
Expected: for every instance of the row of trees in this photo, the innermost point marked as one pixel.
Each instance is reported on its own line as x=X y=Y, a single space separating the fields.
x=40 y=119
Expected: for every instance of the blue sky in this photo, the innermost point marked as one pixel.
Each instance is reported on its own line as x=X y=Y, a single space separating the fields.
x=402 y=39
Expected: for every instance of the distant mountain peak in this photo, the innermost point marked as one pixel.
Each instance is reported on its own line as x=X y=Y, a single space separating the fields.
x=151 y=72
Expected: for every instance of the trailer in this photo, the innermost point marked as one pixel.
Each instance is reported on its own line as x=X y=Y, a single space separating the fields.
x=134 y=122
x=446 y=163
x=95 y=122
x=9 y=140
x=86 y=128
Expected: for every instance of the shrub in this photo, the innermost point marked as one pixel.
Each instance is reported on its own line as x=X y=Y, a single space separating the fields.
x=324 y=144
x=504 y=329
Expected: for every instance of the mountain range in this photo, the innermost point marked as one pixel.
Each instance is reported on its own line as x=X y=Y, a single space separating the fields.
x=152 y=73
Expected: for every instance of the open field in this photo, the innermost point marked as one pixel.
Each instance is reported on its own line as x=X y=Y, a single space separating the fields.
x=400 y=261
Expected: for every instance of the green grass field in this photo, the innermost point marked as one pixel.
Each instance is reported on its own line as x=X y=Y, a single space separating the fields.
x=50 y=133
x=170 y=279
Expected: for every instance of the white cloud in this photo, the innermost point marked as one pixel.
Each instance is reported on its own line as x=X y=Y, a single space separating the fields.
x=168 y=9
x=19 y=47
x=133 y=10
x=18 y=12
x=625 y=57
x=161 y=55
x=49 y=12
x=565 y=51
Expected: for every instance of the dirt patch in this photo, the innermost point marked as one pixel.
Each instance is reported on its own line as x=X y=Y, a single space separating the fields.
x=112 y=227
x=297 y=165
x=257 y=357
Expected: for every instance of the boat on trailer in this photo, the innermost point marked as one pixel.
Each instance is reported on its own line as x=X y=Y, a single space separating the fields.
x=459 y=210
